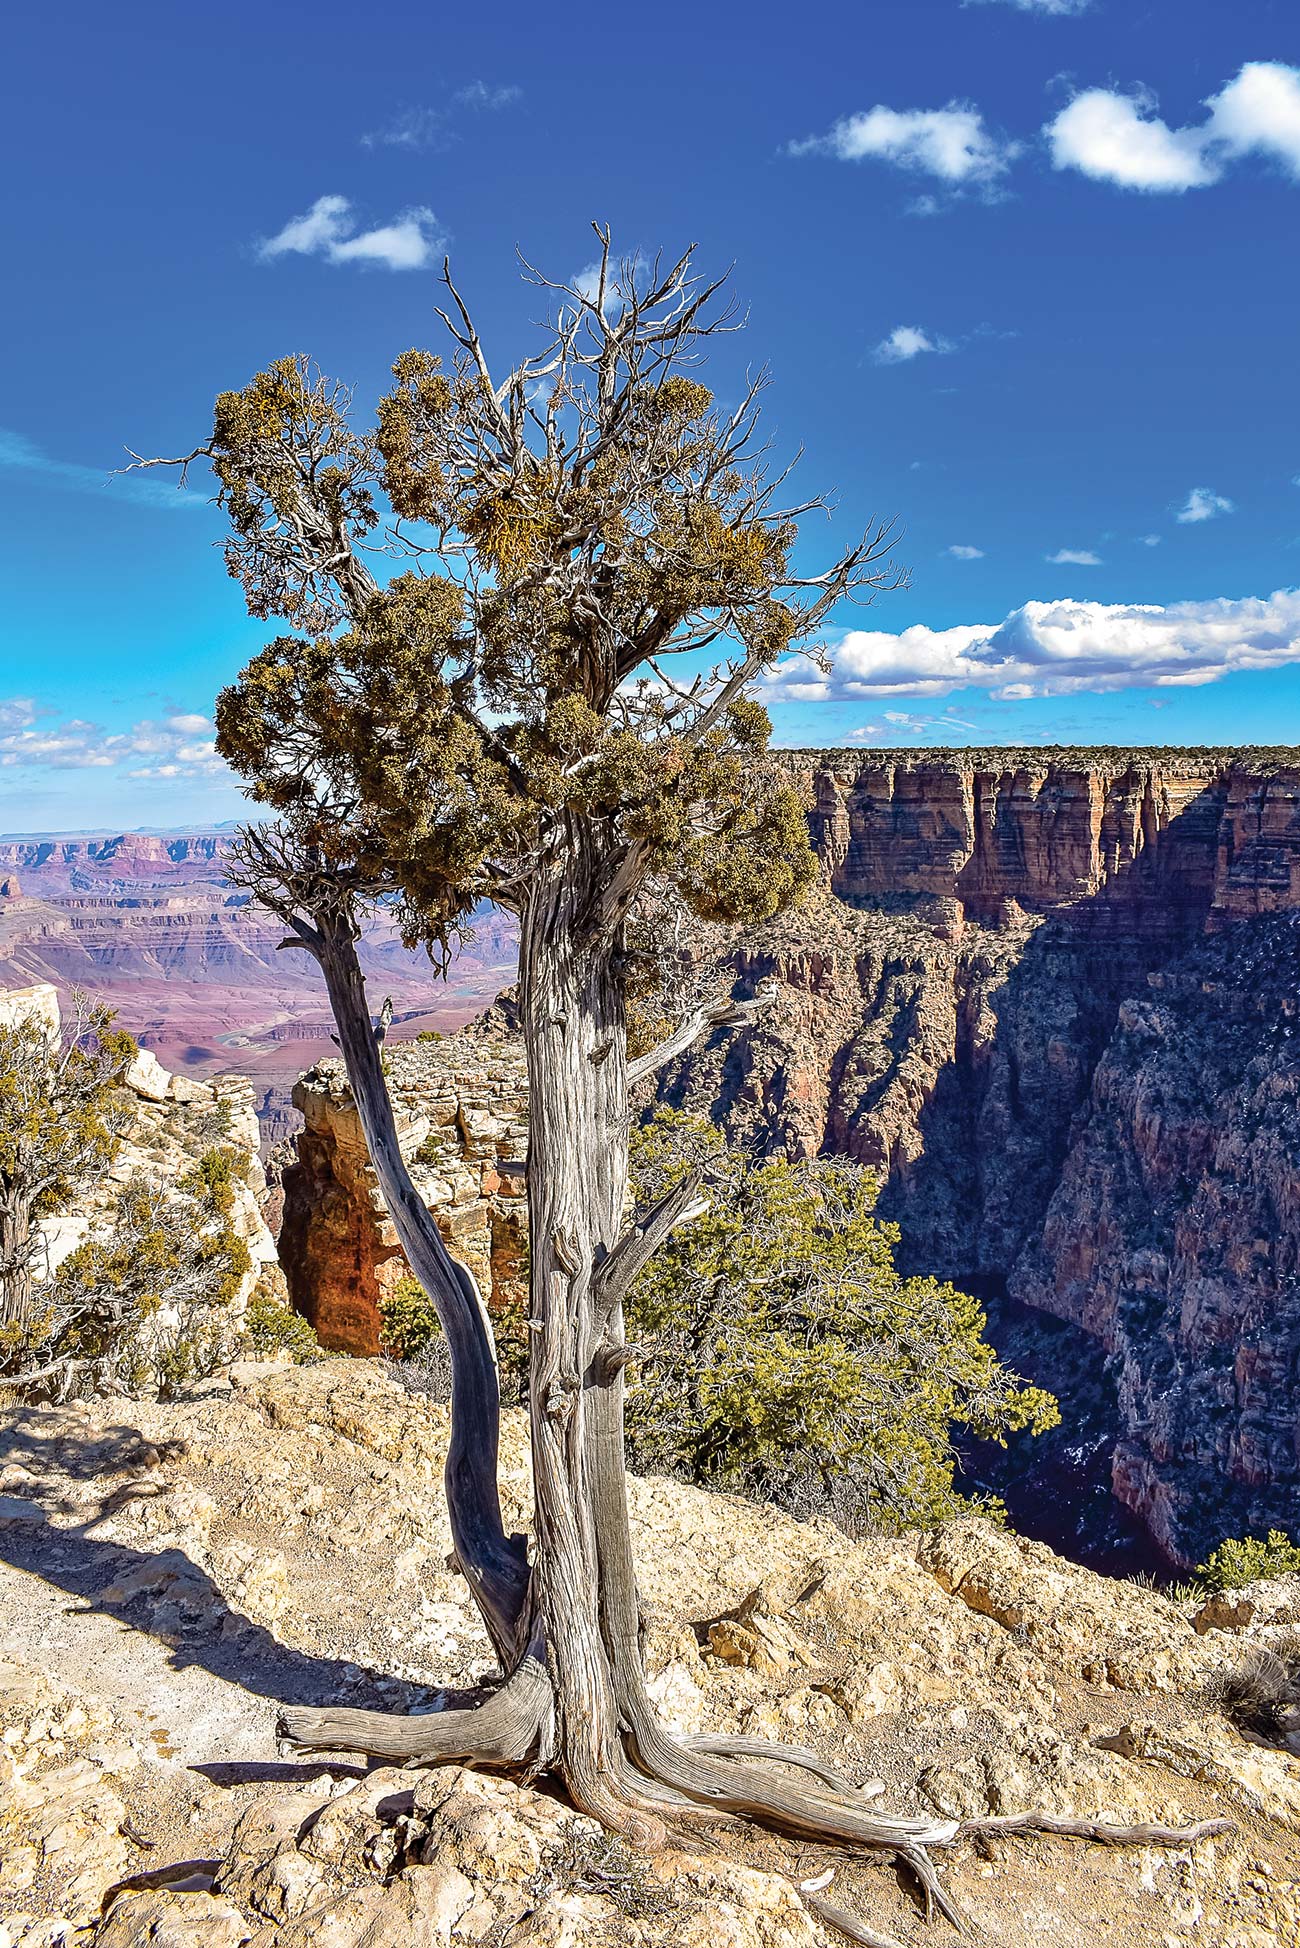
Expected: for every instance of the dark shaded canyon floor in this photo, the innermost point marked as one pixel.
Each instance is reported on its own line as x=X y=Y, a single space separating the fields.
x=1057 y=1486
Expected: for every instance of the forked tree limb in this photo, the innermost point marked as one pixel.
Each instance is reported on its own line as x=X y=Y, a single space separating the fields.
x=507 y=1729
x=715 y=1014
x=616 y=1275
x=495 y=1565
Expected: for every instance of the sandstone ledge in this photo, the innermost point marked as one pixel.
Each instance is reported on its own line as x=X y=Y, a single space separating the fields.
x=281 y=1533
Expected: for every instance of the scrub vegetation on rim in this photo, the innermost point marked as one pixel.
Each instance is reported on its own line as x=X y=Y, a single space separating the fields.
x=513 y=729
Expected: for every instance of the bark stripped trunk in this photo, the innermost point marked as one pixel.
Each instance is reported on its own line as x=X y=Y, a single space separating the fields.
x=15 y=1258
x=575 y=1040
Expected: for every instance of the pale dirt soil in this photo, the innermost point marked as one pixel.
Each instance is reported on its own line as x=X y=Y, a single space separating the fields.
x=168 y=1572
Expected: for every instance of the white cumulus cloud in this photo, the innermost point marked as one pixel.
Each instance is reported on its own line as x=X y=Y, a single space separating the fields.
x=329 y=230
x=962 y=551
x=1202 y=504
x=179 y=746
x=1053 y=649
x=1119 y=138
x=951 y=144
x=1259 y=114
x=1074 y=558
x=907 y=342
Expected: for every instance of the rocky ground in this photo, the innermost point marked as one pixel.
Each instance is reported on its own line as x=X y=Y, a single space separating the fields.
x=168 y=1571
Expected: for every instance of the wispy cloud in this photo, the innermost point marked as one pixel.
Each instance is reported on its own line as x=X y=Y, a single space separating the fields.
x=483 y=94
x=1061 y=7
x=922 y=726
x=1051 y=649
x=21 y=455
x=178 y=746
x=1202 y=504
x=962 y=551
x=428 y=127
x=329 y=230
x=908 y=342
x=1120 y=138
x=950 y=144
x=1074 y=558
x=1150 y=540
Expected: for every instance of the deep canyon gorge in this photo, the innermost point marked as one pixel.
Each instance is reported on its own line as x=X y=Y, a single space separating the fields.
x=1048 y=997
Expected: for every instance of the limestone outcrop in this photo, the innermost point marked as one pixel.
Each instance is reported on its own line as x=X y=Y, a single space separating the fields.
x=171 y=1121
x=460 y=1104
x=281 y=1534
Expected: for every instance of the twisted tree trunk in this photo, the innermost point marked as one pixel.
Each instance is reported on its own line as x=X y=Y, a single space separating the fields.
x=573 y=1698
x=15 y=1256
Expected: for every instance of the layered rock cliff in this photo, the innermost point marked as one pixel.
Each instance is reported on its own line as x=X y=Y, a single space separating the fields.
x=959 y=1009
x=954 y=1008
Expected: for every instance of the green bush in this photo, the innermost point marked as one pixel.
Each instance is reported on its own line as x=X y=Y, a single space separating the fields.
x=785 y=1357
x=1245 y=1559
x=271 y=1327
x=411 y=1331
x=147 y=1300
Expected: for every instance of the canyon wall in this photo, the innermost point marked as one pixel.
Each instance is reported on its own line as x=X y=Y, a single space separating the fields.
x=1011 y=957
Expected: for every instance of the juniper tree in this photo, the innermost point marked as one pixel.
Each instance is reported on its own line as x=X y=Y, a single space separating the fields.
x=783 y=1356
x=59 y=1128
x=547 y=705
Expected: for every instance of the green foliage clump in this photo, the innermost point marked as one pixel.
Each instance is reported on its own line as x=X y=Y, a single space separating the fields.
x=785 y=1356
x=147 y=1301
x=1247 y=1559
x=61 y=1117
x=411 y=1330
x=271 y=1328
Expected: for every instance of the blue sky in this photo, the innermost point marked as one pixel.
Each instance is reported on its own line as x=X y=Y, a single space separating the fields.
x=1025 y=271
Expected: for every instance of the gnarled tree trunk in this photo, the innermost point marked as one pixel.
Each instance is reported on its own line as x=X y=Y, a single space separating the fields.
x=15 y=1256
x=568 y=1631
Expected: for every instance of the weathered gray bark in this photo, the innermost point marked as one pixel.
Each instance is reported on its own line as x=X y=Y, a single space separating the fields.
x=575 y=1699
x=576 y=1045
x=15 y=1256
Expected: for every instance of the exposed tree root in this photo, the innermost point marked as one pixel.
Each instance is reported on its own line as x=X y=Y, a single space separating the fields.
x=845 y=1923
x=1143 y=1835
x=799 y=1756
x=703 y=1782
x=505 y=1730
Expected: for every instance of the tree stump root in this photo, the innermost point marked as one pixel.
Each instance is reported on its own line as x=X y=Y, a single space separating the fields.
x=706 y=1781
